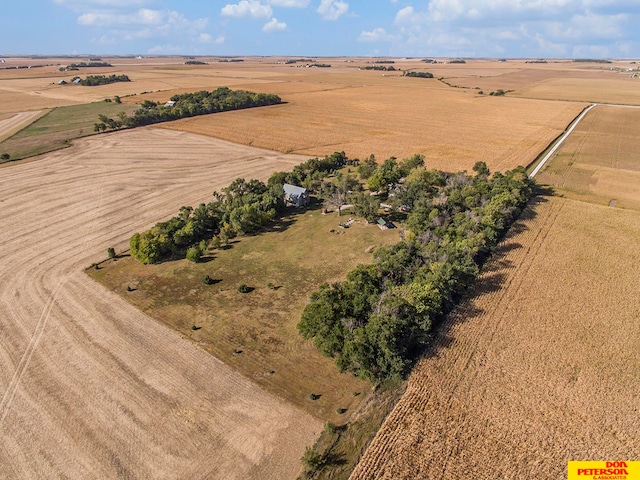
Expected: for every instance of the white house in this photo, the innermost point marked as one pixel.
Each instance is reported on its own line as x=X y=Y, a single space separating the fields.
x=296 y=196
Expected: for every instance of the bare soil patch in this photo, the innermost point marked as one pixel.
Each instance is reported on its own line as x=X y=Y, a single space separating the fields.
x=598 y=162
x=89 y=385
x=539 y=368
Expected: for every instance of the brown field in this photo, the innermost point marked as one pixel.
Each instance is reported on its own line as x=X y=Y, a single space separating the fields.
x=540 y=367
x=333 y=109
x=14 y=123
x=90 y=387
x=599 y=162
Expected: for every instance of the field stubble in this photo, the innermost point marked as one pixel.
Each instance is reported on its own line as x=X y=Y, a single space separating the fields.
x=89 y=386
x=598 y=162
x=538 y=368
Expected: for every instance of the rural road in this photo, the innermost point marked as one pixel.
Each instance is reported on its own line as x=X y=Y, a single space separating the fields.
x=89 y=386
x=568 y=132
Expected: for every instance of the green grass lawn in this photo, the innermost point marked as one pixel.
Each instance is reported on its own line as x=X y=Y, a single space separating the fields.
x=256 y=332
x=59 y=127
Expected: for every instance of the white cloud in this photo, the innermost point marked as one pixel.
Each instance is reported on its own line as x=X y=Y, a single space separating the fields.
x=143 y=16
x=205 y=38
x=332 y=9
x=408 y=16
x=247 y=8
x=289 y=3
x=220 y=40
x=376 y=35
x=274 y=25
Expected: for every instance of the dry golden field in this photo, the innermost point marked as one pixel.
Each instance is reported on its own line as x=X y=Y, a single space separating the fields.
x=90 y=387
x=599 y=161
x=540 y=367
x=337 y=108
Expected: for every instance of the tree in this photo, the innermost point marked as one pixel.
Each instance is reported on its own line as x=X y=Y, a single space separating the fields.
x=312 y=459
x=481 y=169
x=368 y=167
x=5 y=156
x=111 y=252
x=366 y=206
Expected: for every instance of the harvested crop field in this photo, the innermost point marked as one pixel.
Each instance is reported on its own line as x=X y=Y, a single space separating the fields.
x=599 y=162
x=89 y=386
x=13 y=123
x=540 y=367
x=452 y=128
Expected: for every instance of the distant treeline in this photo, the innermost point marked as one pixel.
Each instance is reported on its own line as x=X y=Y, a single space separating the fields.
x=90 y=64
x=379 y=321
x=241 y=208
x=418 y=74
x=592 y=60
x=195 y=62
x=94 y=80
x=222 y=99
x=379 y=67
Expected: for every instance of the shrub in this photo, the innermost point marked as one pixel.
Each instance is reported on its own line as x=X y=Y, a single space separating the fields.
x=5 y=156
x=111 y=252
x=207 y=280
x=312 y=459
x=194 y=254
x=244 y=289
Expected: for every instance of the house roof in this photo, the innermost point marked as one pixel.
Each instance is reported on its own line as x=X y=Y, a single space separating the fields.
x=293 y=190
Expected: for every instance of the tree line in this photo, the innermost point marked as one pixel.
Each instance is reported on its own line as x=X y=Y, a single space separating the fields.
x=241 y=208
x=94 y=80
x=222 y=99
x=378 y=321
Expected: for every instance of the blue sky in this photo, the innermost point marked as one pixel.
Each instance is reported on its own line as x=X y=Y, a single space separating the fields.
x=429 y=28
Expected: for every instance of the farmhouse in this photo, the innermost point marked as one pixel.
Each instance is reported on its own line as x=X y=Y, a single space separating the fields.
x=170 y=103
x=296 y=196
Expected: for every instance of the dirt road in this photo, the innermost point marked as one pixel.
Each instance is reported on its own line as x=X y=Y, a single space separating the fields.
x=89 y=386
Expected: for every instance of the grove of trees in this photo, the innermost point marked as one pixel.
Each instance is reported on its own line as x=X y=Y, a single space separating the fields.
x=184 y=105
x=94 y=80
x=379 y=320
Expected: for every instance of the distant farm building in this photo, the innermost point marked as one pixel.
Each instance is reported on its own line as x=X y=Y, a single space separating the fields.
x=296 y=196
x=170 y=103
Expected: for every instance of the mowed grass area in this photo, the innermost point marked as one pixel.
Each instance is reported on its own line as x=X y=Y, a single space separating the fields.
x=59 y=127
x=598 y=162
x=256 y=332
x=540 y=366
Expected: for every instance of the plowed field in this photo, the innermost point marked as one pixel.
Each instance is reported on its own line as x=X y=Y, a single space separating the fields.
x=89 y=386
x=540 y=367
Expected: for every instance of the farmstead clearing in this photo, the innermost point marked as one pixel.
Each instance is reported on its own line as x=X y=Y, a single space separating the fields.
x=90 y=386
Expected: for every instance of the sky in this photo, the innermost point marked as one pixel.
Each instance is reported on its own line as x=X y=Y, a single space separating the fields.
x=397 y=28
